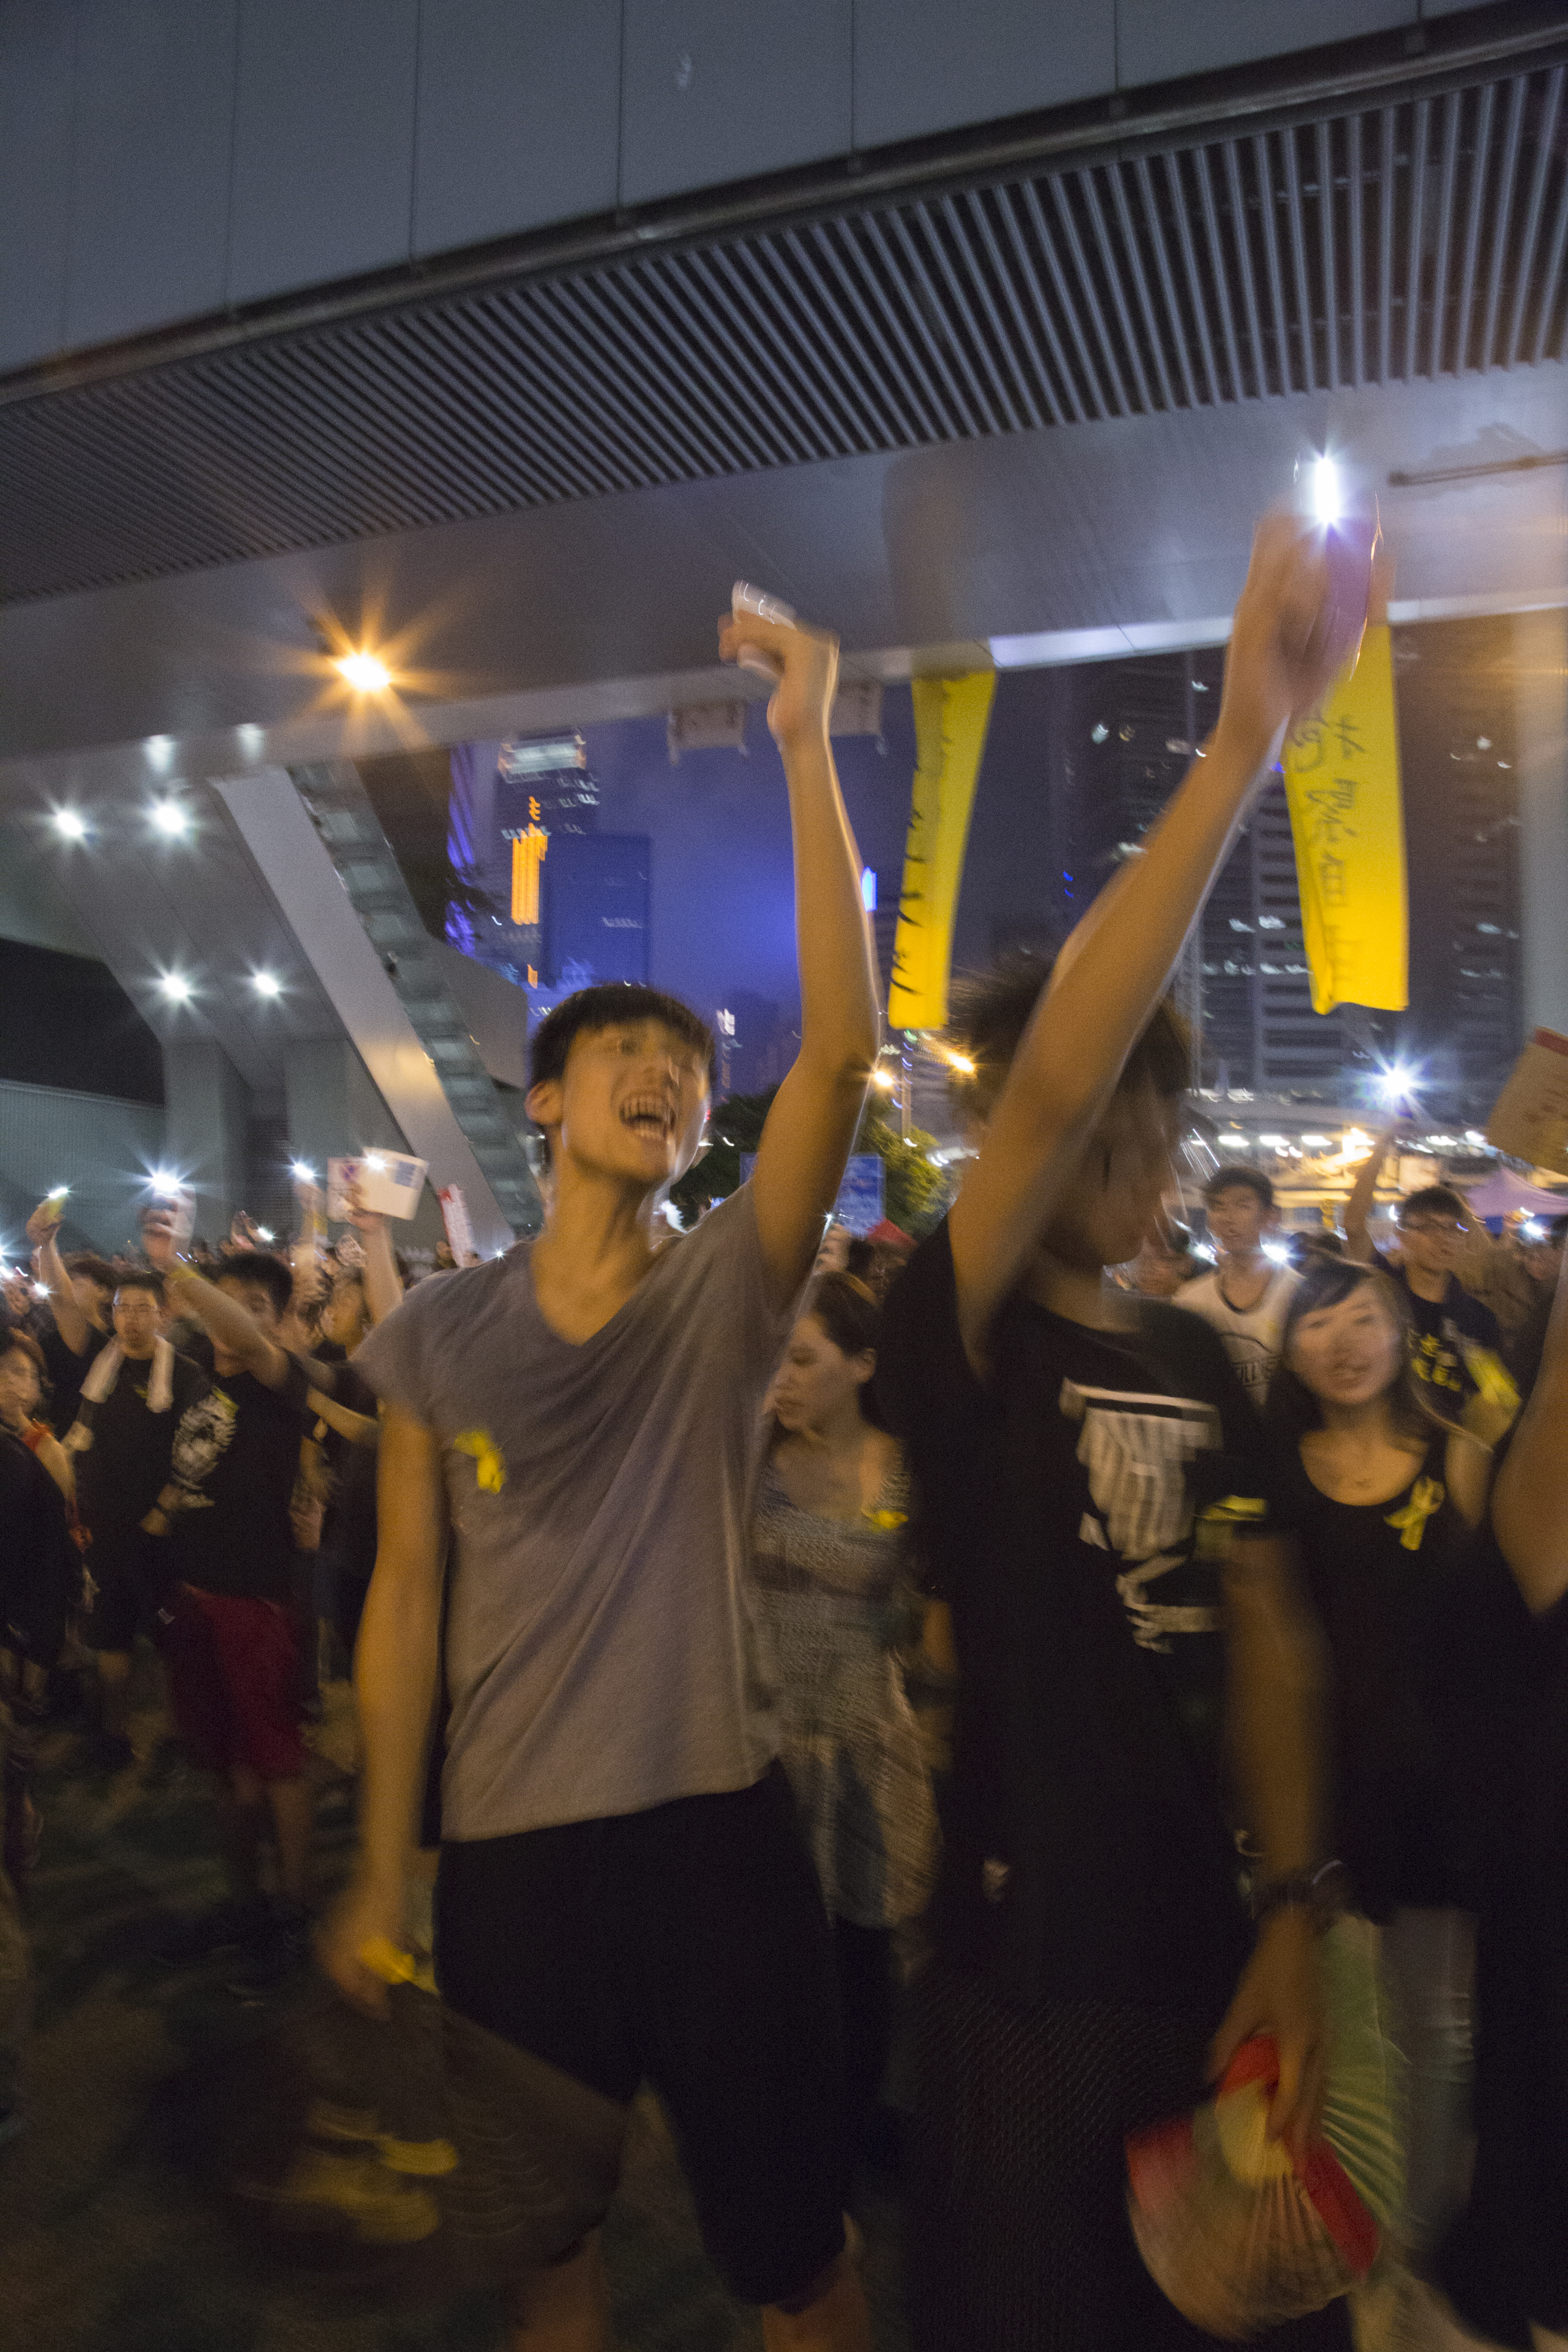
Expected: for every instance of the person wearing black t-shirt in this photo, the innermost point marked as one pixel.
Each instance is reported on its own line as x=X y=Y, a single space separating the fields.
x=1090 y=1930
x=1455 y=1348
x=1384 y=1494
x=348 y=1528
x=231 y=1638
x=1502 y=1704
x=132 y=1400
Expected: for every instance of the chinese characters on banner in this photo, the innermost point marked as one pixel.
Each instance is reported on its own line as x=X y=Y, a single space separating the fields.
x=1341 y=779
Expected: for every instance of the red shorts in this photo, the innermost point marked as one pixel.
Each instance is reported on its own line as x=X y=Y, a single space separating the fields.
x=234 y=1682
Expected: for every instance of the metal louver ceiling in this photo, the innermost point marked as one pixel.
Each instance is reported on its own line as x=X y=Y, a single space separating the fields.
x=1412 y=239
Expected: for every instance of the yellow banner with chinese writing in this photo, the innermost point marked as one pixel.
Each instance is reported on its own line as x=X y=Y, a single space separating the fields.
x=1342 y=778
x=950 y=718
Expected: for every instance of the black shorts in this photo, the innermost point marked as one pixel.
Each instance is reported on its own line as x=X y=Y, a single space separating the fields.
x=131 y=1572
x=687 y=1945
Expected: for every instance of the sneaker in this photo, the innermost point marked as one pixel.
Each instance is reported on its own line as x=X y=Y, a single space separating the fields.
x=274 y=1957
x=227 y=1927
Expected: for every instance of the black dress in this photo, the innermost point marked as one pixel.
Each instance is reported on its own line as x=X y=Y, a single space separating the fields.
x=1503 y=1697
x=1382 y=1575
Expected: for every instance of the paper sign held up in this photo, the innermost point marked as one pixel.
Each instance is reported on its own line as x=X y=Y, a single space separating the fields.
x=1530 y=1117
x=390 y=1183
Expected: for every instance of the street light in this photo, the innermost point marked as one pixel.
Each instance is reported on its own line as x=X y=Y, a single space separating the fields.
x=365 y=672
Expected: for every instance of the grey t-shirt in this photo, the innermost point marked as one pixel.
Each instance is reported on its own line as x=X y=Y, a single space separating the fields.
x=601 y=1655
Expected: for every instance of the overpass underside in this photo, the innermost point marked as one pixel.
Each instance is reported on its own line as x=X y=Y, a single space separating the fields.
x=1014 y=393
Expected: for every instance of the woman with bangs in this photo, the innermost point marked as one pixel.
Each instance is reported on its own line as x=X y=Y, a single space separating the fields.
x=1386 y=1497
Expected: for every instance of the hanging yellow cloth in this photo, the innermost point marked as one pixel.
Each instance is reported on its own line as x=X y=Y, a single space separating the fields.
x=1341 y=779
x=951 y=719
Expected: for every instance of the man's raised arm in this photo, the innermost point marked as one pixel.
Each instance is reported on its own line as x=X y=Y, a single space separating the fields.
x=809 y=1131
x=224 y=1319
x=1364 y=1192
x=43 y=1229
x=1114 y=967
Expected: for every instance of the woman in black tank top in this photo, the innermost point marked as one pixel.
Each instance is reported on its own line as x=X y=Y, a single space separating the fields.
x=1385 y=1497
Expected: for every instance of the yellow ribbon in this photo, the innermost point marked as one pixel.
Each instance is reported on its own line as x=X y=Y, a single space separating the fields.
x=1218 y=1522
x=1425 y=1497
x=1492 y=1379
x=491 y=1469
x=887 y=1519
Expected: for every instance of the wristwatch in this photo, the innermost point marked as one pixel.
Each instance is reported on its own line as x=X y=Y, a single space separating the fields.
x=1323 y=1891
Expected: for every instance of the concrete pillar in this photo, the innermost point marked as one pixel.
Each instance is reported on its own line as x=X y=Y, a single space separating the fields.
x=335 y=1111
x=1541 y=762
x=334 y=1108
x=207 y=1110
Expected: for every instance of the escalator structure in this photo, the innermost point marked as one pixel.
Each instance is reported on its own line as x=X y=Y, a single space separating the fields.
x=334 y=797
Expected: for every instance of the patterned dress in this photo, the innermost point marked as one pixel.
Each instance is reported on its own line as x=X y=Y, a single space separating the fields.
x=834 y=1597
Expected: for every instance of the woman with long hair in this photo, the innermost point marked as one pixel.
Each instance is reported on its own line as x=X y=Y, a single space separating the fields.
x=830 y=1562
x=1386 y=1497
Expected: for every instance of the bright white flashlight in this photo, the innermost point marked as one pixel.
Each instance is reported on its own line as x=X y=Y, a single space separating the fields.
x=1326 y=500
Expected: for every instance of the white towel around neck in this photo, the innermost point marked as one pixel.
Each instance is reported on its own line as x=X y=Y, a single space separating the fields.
x=104 y=1371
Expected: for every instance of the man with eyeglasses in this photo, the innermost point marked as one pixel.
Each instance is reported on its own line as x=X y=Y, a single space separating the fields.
x=1456 y=1346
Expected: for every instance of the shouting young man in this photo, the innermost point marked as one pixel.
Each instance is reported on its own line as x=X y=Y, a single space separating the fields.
x=1078 y=1453
x=623 y=1888
x=1247 y=1297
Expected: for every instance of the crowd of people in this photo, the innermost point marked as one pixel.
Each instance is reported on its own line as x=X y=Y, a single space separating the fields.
x=919 y=1710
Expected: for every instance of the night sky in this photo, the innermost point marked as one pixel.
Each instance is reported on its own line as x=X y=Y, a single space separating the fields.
x=723 y=895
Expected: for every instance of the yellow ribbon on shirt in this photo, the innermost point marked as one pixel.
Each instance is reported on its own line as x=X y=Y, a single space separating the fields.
x=490 y=1474
x=1425 y=1497
x=1220 y=1521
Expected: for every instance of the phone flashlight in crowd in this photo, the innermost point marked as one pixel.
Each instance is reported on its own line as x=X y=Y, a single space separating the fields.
x=1350 y=533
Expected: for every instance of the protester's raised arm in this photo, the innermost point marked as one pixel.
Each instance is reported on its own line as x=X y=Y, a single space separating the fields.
x=382 y=1283
x=1363 y=1191
x=43 y=1229
x=224 y=1319
x=1115 y=966
x=812 y=1124
x=1530 y=1502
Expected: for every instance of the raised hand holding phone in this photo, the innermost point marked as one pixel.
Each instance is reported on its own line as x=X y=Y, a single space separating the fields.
x=761 y=635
